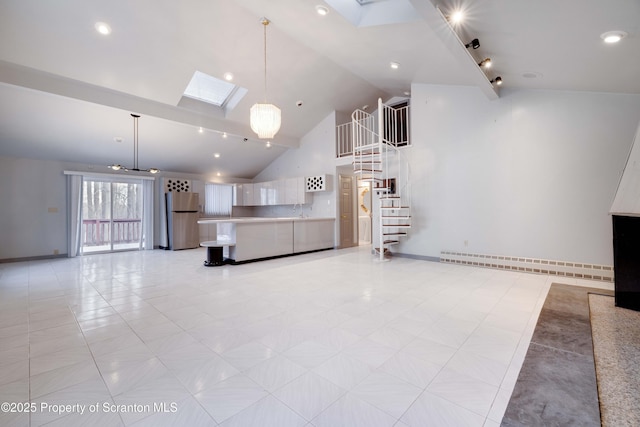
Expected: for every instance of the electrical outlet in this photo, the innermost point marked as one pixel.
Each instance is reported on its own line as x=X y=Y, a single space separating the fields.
x=56 y=252
x=52 y=210
x=466 y=243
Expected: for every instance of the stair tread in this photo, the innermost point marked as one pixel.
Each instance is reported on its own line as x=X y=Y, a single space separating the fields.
x=395 y=207
x=367 y=170
x=397 y=225
x=396 y=216
x=400 y=233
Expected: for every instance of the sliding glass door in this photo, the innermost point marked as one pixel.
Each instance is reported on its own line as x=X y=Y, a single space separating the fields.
x=111 y=215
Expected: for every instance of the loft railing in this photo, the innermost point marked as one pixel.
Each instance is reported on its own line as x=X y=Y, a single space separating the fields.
x=97 y=232
x=395 y=125
x=344 y=140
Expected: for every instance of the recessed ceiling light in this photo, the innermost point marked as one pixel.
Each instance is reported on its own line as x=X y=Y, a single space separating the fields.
x=322 y=10
x=531 y=75
x=395 y=65
x=268 y=144
x=613 y=36
x=200 y=130
x=216 y=155
x=224 y=135
x=228 y=76
x=103 y=28
x=407 y=93
x=218 y=174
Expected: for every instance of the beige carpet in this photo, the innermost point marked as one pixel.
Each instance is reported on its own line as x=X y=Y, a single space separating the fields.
x=616 y=350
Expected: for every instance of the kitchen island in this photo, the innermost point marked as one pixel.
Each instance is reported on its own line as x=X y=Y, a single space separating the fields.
x=258 y=238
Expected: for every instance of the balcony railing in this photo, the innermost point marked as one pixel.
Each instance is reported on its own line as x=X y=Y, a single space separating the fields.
x=344 y=140
x=395 y=129
x=97 y=232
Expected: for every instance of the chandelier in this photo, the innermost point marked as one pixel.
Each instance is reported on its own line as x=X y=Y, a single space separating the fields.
x=265 y=118
x=135 y=167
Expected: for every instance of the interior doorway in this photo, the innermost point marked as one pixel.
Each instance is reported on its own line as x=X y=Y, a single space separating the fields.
x=111 y=216
x=365 y=213
x=347 y=201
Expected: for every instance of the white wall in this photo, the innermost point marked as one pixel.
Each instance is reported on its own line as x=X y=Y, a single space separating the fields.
x=530 y=174
x=315 y=156
x=29 y=190
x=31 y=187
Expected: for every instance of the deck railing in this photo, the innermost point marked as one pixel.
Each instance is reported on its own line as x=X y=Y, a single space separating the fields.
x=97 y=232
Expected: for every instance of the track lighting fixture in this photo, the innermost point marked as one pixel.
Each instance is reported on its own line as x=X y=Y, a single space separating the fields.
x=497 y=81
x=475 y=43
x=485 y=63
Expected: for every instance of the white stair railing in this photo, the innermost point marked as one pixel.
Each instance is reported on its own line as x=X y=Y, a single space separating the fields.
x=375 y=146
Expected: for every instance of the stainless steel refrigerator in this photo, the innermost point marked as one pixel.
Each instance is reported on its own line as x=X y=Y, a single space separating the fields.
x=182 y=220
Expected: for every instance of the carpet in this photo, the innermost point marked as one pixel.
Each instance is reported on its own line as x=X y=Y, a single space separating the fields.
x=616 y=350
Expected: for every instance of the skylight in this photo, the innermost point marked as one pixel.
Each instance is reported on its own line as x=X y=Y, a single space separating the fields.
x=369 y=13
x=209 y=89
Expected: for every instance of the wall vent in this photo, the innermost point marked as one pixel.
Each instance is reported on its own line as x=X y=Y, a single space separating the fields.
x=177 y=185
x=315 y=183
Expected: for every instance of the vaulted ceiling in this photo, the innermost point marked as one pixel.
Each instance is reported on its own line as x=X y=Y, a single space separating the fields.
x=67 y=91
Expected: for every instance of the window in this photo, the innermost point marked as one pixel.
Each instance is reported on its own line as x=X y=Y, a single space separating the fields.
x=218 y=199
x=209 y=89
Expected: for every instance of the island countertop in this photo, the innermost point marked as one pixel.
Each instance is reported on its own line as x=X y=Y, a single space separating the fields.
x=260 y=237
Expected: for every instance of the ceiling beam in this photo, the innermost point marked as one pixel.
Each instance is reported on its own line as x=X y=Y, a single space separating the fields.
x=438 y=22
x=18 y=75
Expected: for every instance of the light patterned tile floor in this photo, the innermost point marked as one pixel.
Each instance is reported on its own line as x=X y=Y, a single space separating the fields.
x=324 y=339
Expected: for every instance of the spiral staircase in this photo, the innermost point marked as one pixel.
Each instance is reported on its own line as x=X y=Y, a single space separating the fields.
x=379 y=157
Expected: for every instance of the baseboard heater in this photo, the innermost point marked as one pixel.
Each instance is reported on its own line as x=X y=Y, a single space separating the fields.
x=531 y=265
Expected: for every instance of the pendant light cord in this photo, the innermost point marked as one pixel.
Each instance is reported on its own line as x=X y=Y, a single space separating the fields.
x=265 y=22
x=135 y=141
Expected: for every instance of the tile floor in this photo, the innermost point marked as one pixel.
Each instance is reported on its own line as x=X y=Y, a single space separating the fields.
x=333 y=338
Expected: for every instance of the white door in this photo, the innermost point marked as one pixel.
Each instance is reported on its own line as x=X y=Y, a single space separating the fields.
x=346 y=212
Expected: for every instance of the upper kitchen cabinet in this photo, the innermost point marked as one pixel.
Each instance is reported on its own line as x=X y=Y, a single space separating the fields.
x=238 y=195
x=290 y=191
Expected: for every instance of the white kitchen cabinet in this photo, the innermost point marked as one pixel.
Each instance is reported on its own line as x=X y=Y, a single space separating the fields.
x=259 y=195
x=313 y=235
x=291 y=191
x=303 y=196
x=258 y=238
x=270 y=192
x=247 y=199
x=238 y=195
x=280 y=198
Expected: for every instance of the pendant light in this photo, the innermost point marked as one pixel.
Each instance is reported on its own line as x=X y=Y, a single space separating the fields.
x=135 y=167
x=265 y=118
